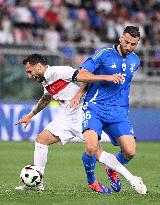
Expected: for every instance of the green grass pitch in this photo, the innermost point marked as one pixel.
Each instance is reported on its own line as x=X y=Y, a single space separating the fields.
x=65 y=181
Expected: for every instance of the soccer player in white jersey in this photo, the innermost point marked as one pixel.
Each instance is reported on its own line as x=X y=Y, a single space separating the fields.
x=58 y=85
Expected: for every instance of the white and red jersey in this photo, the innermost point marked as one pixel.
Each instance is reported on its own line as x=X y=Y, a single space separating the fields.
x=58 y=83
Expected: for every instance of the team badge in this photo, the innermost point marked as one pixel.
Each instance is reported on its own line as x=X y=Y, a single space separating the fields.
x=132 y=67
x=85 y=123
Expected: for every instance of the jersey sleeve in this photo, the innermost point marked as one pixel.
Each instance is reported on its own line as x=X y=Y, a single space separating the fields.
x=137 y=63
x=60 y=72
x=65 y=72
x=93 y=62
x=45 y=90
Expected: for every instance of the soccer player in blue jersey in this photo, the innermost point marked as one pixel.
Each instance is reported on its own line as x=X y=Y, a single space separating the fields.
x=106 y=103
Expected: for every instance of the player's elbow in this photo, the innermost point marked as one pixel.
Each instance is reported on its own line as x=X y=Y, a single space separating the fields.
x=83 y=76
x=80 y=75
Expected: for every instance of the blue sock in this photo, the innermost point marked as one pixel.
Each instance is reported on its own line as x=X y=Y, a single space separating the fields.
x=89 y=163
x=121 y=158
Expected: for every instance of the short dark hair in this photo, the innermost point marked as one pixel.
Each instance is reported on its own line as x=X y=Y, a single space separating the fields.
x=34 y=59
x=132 y=30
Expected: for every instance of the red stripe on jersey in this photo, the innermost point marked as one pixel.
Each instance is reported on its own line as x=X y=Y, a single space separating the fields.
x=56 y=86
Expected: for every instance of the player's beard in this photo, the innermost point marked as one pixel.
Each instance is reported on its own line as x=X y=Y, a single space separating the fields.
x=39 y=78
x=124 y=51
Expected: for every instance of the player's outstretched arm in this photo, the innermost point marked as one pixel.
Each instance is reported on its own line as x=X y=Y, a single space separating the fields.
x=26 y=120
x=85 y=76
x=42 y=103
x=77 y=97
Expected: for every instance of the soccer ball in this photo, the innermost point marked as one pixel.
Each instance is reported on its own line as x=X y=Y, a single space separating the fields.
x=30 y=176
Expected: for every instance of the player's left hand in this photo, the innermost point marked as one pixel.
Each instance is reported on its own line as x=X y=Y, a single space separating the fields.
x=75 y=101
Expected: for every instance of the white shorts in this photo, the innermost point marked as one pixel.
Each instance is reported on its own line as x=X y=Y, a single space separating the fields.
x=67 y=124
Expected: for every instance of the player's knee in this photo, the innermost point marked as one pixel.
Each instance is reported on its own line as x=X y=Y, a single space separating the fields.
x=130 y=153
x=91 y=149
x=41 y=140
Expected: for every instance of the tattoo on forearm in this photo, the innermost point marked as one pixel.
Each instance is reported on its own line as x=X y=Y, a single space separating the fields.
x=42 y=103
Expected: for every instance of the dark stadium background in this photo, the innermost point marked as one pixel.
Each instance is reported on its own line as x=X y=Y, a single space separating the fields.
x=67 y=32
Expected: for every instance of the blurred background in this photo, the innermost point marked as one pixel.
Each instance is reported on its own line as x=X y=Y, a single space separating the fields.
x=67 y=32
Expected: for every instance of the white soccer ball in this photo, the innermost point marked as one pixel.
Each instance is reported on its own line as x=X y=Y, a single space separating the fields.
x=30 y=176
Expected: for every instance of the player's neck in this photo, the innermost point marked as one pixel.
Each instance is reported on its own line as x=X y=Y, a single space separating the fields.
x=118 y=48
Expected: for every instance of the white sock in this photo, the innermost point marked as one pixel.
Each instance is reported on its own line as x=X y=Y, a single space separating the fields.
x=111 y=161
x=40 y=156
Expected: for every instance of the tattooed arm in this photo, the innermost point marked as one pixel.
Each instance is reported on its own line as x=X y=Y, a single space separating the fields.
x=42 y=103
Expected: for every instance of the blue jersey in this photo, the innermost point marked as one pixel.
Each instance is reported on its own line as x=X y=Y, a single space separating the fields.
x=107 y=96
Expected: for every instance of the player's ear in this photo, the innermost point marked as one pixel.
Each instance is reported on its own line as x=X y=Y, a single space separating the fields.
x=40 y=66
x=120 y=38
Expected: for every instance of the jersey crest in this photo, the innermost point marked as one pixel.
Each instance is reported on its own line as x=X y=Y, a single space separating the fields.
x=132 y=67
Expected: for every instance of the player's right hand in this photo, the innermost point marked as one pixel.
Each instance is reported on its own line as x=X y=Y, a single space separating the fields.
x=26 y=120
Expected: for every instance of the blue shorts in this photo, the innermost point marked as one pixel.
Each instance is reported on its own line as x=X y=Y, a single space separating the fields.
x=114 y=130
